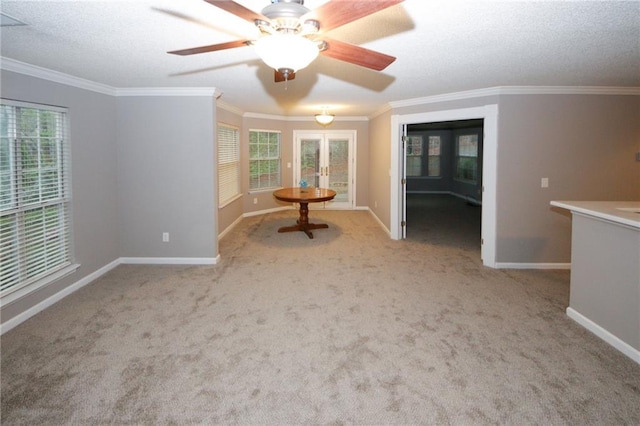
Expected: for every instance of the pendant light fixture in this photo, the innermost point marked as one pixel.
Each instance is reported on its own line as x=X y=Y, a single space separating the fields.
x=324 y=118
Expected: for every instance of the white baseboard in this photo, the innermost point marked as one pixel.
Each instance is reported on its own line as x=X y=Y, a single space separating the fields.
x=384 y=228
x=230 y=227
x=170 y=260
x=507 y=265
x=611 y=339
x=22 y=317
x=261 y=212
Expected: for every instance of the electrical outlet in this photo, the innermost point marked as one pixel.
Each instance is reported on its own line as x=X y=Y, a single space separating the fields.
x=255 y=200
x=544 y=183
x=165 y=237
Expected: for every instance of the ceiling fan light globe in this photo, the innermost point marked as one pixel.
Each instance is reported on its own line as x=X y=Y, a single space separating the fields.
x=286 y=51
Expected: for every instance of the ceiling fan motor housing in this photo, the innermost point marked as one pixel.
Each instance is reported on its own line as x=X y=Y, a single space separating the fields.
x=286 y=14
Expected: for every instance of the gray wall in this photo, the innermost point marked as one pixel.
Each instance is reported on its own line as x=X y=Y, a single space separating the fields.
x=92 y=119
x=585 y=145
x=166 y=176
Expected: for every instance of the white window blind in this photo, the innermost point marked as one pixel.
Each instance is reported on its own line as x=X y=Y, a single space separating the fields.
x=35 y=194
x=264 y=159
x=228 y=163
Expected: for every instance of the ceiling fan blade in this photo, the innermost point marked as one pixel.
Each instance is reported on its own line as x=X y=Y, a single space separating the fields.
x=336 y=13
x=279 y=77
x=238 y=10
x=211 y=47
x=356 y=55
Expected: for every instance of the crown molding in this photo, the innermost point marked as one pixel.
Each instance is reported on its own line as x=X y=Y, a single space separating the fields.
x=569 y=90
x=9 y=64
x=518 y=90
x=169 y=91
x=230 y=108
x=300 y=117
x=379 y=112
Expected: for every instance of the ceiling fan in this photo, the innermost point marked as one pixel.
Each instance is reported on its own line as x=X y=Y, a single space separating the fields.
x=292 y=35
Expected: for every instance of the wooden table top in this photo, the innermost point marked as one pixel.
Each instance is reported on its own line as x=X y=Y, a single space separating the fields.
x=305 y=195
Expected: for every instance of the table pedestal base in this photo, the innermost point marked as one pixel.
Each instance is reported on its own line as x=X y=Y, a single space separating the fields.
x=303 y=223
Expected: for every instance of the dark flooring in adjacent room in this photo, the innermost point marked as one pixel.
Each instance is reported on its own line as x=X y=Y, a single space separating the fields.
x=443 y=219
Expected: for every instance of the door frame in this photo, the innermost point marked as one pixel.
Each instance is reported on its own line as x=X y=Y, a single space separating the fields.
x=489 y=113
x=353 y=137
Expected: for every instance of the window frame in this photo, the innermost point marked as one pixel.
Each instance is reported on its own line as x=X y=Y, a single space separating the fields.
x=459 y=157
x=415 y=155
x=430 y=157
x=36 y=218
x=270 y=159
x=228 y=164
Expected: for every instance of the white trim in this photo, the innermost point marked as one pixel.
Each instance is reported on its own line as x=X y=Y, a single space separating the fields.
x=507 y=265
x=230 y=227
x=230 y=108
x=37 y=285
x=377 y=219
x=170 y=260
x=273 y=210
x=59 y=77
x=168 y=91
x=489 y=166
x=25 y=315
x=229 y=201
x=611 y=339
x=300 y=117
x=55 y=76
x=517 y=90
x=382 y=110
x=9 y=64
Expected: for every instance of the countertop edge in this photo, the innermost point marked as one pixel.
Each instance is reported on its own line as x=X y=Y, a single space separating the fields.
x=602 y=210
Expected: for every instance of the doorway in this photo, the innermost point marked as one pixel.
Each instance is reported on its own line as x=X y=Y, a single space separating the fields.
x=326 y=160
x=444 y=183
x=489 y=115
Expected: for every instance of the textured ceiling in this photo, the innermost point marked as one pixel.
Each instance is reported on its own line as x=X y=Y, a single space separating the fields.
x=441 y=47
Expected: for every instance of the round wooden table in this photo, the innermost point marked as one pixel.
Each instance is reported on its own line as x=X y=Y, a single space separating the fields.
x=304 y=196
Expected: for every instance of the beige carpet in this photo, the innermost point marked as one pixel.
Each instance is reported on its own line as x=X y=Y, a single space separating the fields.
x=347 y=328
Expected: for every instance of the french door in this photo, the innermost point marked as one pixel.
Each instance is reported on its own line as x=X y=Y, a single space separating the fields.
x=326 y=160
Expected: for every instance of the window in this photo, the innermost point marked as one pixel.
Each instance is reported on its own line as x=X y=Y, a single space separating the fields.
x=35 y=196
x=433 y=156
x=414 y=156
x=264 y=159
x=467 y=158
x=228 y=164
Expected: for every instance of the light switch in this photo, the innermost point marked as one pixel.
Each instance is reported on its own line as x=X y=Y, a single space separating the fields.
x=544 y=183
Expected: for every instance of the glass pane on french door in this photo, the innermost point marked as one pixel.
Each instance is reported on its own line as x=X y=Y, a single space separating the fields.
x=338 y=170
x=310 y=161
